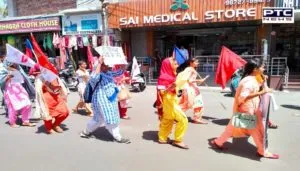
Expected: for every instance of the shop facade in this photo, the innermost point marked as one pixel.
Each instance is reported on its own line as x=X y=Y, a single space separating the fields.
x=85 y=27
x=286 y=37
x=152 y=28
x=16 y=30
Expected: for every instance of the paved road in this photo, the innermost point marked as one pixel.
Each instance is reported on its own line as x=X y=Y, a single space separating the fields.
x=30 y=149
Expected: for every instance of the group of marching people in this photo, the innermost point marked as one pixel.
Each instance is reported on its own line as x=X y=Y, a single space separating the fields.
x=178 y=91
x=50 y=97
x=19 y=92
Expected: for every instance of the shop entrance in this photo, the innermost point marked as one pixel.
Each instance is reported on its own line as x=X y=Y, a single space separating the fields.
x=208 y=42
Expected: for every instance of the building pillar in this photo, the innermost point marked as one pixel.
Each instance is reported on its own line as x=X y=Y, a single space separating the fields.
x=150 y=43
x=263 y=34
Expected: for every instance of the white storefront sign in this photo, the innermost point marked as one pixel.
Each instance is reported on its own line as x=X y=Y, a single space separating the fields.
x=112 y=55
x=179 y=17
x=81 y=24
x=210 y=15
x=164 y=18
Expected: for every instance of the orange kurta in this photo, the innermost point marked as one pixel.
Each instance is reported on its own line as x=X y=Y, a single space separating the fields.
x=246 y=87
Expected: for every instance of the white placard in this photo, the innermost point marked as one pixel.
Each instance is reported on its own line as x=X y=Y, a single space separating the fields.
x=112 y=55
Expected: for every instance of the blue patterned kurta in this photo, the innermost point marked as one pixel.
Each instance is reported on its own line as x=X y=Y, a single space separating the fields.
x=104 y=100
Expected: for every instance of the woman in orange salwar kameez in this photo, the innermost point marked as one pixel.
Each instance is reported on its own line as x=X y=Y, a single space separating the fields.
x=247 y=101
x=55 y=99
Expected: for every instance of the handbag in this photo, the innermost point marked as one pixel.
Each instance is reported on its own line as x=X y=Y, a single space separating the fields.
x=124 y=94
x=243 y=120
x=89 y=91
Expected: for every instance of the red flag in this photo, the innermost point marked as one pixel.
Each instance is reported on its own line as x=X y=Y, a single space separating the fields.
x=229 y=62
x=41 y=57
x=28 y=53
x=90 y=57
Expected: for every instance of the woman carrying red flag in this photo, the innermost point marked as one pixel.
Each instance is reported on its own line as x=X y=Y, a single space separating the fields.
x=247 y=104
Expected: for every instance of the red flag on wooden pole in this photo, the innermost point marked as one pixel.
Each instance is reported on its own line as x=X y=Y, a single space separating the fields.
x=229 y=62
x=41 y=57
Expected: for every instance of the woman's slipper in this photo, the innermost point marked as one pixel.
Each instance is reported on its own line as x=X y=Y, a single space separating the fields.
x=28 y=124
x=214 y=145
x=185 y=147
x=199 y=122
x=58 y=129
x=126 y=117
x=165 y=142
x=75 y=110
x=50 y=132
x=269 y=156
x=273 y=126
x=90 y=115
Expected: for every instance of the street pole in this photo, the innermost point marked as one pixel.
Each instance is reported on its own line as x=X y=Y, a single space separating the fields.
x=104 y=16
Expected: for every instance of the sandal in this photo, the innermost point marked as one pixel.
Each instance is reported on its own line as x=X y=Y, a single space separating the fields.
x=58 y=129
x=126 y=117
x=28 y=124
x=185 y=147
x=165 y=142
x=272 y=126
x=75 y=110
x=269 y=156
x=123 y=141
x=214 y=145
x=50 y=132
x=199 y=122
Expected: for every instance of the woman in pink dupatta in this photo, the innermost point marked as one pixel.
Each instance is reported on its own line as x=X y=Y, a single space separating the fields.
x=247 y=100
x=166 y=78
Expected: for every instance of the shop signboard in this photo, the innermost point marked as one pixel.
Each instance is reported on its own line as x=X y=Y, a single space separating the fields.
x=112 y=55
x=82 y=24
x=30 y=25
x=175 y=12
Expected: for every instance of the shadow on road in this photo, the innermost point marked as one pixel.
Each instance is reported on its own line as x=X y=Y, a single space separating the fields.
x=291 y=107
x=239 y=147
x=222 y=122
x=228 y=95
x=103 y=135
x=150 y=136
x=42 y=130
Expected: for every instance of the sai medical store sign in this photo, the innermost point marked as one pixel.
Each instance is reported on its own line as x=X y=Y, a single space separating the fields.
x=172 y=12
